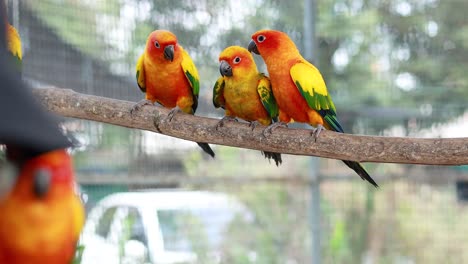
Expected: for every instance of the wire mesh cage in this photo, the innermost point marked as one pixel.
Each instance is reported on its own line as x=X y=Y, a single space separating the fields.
x=393 y=68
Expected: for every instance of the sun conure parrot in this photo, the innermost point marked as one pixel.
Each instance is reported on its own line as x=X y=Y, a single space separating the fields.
x=25 y=127
x=244 y=92
x=14 y=46
x=298 y=87
x=167 y=75
x=42 y=216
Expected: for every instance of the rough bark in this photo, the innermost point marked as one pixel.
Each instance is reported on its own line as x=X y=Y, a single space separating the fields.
x=434 y=151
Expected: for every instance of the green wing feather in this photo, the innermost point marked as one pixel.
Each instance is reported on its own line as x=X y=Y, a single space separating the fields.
x=266 y=97
x=191 y=72
x=312 y=87
x=140 y=73
x=218 y=93
x=192 y=76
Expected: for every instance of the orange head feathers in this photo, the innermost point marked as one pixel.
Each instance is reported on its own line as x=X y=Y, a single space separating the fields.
x=46 y=176
x=161 y=46
x=236 y=61
x=272 y=43
x=42 y=216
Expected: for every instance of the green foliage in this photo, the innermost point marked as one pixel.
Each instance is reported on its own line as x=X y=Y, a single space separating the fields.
x=68 y=19
x=277 y=226
x=127 y=225
x=78 y=254
x=198 y=238
x=338 y=241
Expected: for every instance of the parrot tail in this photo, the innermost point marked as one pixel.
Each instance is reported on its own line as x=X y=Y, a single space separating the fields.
x=332 y=123
x=273 y=155
x=355 y=166
x=206 y=148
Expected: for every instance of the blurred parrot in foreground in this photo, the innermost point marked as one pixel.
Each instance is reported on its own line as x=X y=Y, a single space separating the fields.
x=167 y=75
x=244 y=92
x=41 y=218
x=14 y=47
x=298 y=87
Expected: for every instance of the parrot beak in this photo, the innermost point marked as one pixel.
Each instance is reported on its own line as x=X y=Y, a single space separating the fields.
x=169 y=52
x=225 y=69
x=253 y=47
x=41 y=182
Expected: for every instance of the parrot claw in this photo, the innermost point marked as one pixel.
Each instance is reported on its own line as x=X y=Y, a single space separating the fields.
x=173 y=111
x=137 y=106
x=269 y=130
x=316 y=131
x=224 y=119
x=253 y=124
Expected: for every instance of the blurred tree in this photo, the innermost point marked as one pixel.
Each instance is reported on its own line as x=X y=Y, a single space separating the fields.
x=429 y=53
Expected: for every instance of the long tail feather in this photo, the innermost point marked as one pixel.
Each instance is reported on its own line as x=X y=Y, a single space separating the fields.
x=332 y=123
x=273 y=156
x=206 y=148
x=355 y=166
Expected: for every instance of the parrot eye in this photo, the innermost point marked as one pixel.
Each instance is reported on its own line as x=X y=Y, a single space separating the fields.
x=236 y=60
x=261 y=38
x=156 y=44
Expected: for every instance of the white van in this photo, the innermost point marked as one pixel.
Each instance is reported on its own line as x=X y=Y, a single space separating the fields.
x=168 y=226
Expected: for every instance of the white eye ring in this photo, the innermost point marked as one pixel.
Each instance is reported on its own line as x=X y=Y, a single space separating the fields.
x=261 y=38
x=236 y=60
x=156 y=44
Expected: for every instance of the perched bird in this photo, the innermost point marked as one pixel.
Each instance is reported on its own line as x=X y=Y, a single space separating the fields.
x=14 y=47
x=42 y=216
x=25 y=127
x=298 y=87
x=167 y=75
x=244 y=92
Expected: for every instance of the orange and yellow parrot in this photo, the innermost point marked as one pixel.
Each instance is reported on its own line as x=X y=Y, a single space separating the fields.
x=244 y=92
x=42 y=216
x=14 y=46
x=167 y=75
x=13 y=41
x=298 y=87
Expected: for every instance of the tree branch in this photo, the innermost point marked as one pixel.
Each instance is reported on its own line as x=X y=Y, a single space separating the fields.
x=448 y=151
